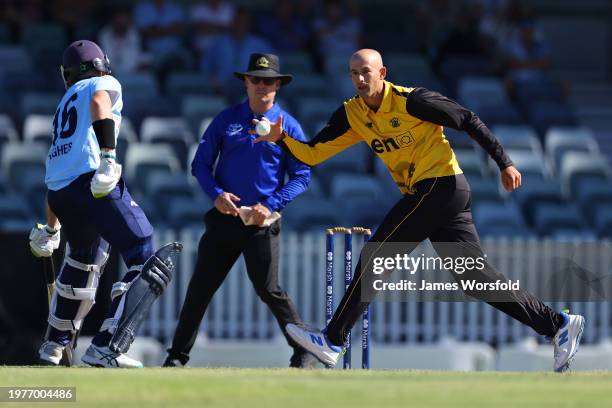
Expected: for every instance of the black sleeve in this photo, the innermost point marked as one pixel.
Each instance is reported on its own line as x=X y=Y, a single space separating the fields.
x=435 y=108
x=337 y=125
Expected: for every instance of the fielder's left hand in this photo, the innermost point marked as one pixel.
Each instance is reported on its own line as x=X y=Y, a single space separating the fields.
x=510 y=178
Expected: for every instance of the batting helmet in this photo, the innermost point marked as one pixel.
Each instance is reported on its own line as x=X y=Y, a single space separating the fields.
x=81 y=59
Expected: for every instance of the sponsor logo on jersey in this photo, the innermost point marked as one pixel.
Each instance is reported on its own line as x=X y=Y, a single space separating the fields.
x=382 y=145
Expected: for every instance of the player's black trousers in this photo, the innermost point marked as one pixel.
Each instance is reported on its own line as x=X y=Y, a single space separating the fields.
x=226 y=237
x=439 y=209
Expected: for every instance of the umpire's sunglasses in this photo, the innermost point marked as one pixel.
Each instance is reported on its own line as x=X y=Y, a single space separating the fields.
x=266 y=81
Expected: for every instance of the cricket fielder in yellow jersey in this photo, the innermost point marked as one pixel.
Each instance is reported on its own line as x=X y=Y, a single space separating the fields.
x=404 y=127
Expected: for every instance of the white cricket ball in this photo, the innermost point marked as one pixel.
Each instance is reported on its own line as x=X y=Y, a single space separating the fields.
x=262 y=128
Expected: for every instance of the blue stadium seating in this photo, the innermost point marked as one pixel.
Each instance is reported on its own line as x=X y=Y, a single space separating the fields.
x=550 y=218
x=578 y=166
x=518 y=137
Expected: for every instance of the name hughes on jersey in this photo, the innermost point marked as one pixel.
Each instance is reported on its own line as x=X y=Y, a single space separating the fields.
x=60 y=150
x=391 y=143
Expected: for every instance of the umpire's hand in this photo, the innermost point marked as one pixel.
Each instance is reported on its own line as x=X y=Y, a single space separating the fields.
x=259 y=212
x=511 y=178
x=225 y=203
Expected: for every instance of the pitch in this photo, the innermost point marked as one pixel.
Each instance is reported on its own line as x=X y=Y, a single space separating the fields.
x=290 y=388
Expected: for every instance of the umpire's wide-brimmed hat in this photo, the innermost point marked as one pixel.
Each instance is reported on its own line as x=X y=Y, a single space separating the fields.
x=264 y=66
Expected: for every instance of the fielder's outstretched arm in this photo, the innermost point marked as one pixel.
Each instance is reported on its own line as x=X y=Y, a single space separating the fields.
x=335 y=137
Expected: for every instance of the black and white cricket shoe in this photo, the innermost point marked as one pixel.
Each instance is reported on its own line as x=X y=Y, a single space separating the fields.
x=103 y=357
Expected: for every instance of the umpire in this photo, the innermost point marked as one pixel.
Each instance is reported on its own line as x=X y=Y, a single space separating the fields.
x=246 y=174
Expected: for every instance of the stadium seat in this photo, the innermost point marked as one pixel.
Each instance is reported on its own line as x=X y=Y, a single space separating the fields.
x=550 y=218
x=384 y=179
x=603 y=220
x=174 y=132
x=494 y=219
x=38 y=128
x=306 y=85
x=181 y=83
x=486 y=190
x=506 y=114
x=195 y=108
x=314 y=109
x=403 y=67
x=39 y=103
x=560 y=140
x=352 y=160
x=518 y=137
x=591 y=193
x=471 y=162
x=167 y=186
x=473 y=91
x=363 y=211
x=579 y=165
x=141 y=84
x=8 y=131
x=310 y=214
x=15 y=212
x=454 y=68
x=534 y=191
x=350 y=186
x=204 y=124
x=17 y=156
x=14 y=58
x=298 y=63
x=143 y=158
x=529 y=163
x=187 y=213
x=458 y=139
x=541 y=91
x=543 y=115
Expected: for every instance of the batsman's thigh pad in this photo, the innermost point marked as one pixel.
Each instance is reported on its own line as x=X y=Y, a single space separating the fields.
x=139 y=294
x=78 y=281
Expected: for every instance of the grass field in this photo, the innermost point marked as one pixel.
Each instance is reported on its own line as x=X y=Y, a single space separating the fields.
x=287 y=388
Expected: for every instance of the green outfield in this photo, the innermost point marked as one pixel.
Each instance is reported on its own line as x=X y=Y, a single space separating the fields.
x=290 y=388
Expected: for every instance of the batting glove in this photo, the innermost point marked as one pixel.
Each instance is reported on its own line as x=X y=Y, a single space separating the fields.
x=107 y=176
x=44 y=240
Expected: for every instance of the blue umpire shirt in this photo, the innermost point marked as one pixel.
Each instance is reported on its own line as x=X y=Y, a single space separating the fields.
x=255 y=172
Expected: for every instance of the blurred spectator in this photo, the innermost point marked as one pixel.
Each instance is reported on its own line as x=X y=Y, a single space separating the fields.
x=528 y=57
x=210 y=18
x=162 y=25
x=230 y=52
x=465 y=38
x=305 y=15
x=434 y=21
x=500 y=21
x=74 y=15
x=282 y=29
x=122 y=41
x=339 y=30
x=15 y=13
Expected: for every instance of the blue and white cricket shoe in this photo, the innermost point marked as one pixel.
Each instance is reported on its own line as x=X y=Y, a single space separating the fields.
x=103 y=357
x=567 y=340
x=315 y=342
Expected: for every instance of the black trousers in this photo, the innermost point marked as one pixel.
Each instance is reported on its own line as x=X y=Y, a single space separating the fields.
x=226 y=237
x=440 y=210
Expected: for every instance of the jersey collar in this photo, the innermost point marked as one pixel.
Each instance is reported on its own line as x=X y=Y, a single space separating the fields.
x=385 y=106
x=271 y=114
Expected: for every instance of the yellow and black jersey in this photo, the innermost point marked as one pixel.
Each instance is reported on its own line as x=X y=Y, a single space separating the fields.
x=406 y=132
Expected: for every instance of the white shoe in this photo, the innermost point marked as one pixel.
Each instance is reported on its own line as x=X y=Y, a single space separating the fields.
x=50 y=353
x=316 y=343
x=567 y=340
x=104 y=357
